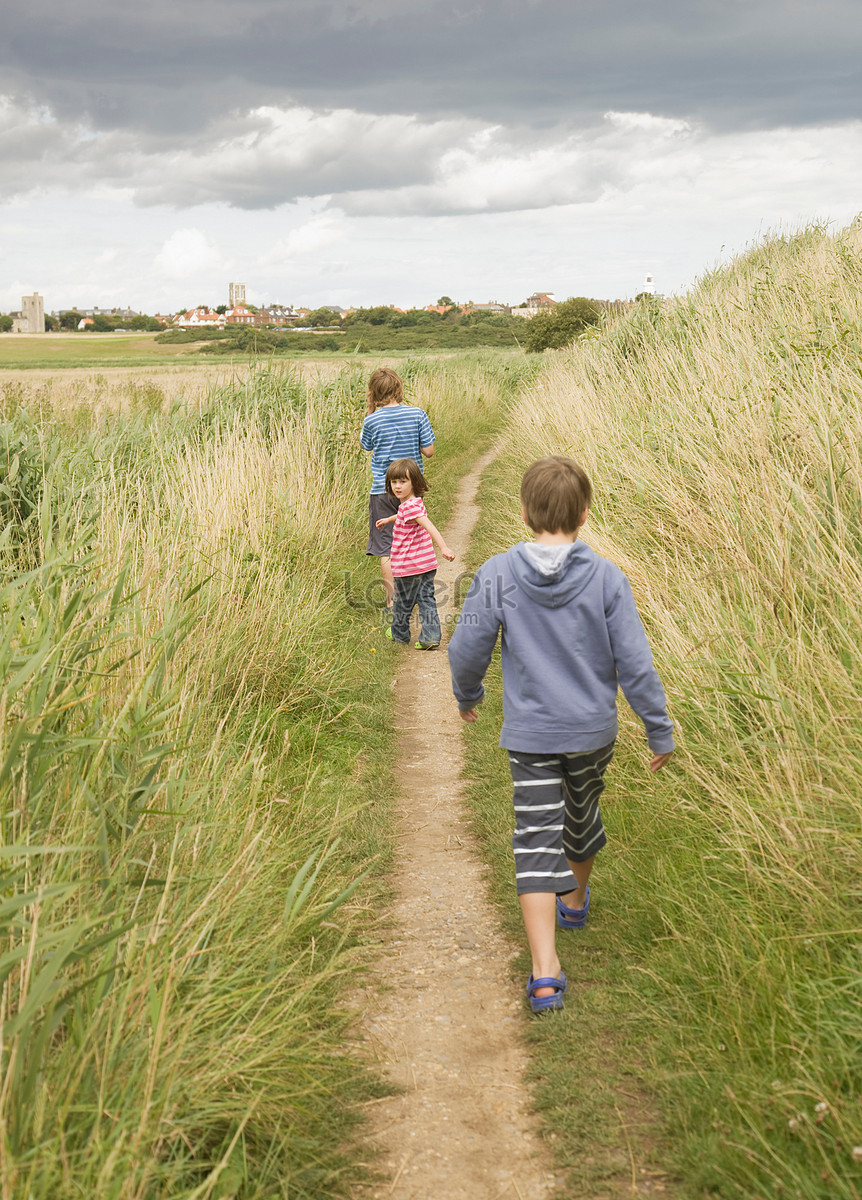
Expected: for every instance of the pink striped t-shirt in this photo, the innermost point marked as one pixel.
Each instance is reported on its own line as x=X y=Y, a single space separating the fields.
x=412 y=548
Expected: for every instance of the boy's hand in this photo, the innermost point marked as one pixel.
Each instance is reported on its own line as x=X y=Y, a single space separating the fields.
x=658 y=760
x=469 y=715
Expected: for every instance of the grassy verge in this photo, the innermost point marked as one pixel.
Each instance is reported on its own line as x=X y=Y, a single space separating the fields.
x=722 y=433
x=592 y=1074
x=194 y=785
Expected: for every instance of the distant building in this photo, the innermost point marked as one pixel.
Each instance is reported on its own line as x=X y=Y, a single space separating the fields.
x=119 y=314
x=649 y=286
x=538 y=302
x=199 y=318
x=235 y=294
x=241 y=314
x=280 y=314
x=31 y=318
x=492 y=307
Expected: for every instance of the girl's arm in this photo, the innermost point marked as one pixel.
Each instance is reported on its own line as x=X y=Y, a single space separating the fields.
x=436 y=537
x=384 y=521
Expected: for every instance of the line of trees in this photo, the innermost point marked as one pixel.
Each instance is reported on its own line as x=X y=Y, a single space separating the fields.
x=559 y=326
x=70 y=320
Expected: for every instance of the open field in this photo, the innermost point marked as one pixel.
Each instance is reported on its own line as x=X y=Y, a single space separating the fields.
x=108 y=372
x=23 y=350
x=29 y=353
x=118 y=388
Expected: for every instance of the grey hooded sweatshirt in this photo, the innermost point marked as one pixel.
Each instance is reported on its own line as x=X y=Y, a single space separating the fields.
x=570 y=636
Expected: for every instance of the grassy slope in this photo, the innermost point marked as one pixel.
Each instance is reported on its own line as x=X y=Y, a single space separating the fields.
x=723 y=435
x=209 y=741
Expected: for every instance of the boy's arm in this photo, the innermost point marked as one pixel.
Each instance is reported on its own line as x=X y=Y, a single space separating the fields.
x=471 y=646
x=435 y=536
x=636 y=674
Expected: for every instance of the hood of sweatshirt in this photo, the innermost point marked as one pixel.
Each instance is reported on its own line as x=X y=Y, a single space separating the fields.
x=552 y=575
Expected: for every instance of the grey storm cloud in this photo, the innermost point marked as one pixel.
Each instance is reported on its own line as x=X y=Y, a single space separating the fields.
x=169 y=66
x=401 y=106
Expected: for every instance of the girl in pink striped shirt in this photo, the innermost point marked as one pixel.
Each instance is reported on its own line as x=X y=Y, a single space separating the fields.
x=412 y=557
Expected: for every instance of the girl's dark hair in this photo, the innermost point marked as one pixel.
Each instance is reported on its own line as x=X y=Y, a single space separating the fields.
x=406 y=468
x=383 y=386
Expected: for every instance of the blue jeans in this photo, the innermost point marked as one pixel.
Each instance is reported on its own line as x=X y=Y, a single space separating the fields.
x=411 y=590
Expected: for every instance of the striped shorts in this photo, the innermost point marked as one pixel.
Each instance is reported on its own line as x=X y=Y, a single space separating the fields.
x=556 y=815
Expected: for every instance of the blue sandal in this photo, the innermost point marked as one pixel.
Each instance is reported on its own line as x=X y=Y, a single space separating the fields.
x=573 y=918
x=546 y=1003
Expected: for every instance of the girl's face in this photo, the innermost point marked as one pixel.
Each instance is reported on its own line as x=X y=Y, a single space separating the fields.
x=402 y=489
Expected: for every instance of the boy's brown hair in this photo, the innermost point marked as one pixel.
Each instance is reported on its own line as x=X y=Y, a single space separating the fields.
x=556 y=493
x=383 y=386
x=406 y=468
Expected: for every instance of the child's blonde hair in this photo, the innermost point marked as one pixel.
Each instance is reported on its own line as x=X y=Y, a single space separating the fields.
x=556 y=493
x=406 y=468
x=383 y=386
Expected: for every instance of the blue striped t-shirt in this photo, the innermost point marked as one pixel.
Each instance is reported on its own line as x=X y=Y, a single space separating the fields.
x=394 y=431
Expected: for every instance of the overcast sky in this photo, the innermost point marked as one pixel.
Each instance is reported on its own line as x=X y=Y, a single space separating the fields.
x=390 y=151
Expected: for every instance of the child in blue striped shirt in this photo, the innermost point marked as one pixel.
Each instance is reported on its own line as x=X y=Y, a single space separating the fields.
x=392 y=430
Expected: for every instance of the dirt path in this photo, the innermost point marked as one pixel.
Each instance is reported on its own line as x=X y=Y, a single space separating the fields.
x=448 y=1031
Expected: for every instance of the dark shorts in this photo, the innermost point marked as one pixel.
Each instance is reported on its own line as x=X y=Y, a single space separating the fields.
x=557 y=816
x=380 y=505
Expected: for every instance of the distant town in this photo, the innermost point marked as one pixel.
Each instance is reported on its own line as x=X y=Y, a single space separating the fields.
x=32 y=317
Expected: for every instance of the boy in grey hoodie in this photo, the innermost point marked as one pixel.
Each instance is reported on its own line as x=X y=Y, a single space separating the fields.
x=570 y=637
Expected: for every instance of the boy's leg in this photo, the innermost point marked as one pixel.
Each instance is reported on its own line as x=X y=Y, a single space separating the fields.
x=581 y=872
x=541 y=870
x=428 y=614
x=584 y=834
x=380 y=540
x=405 y=599
x=539 y=910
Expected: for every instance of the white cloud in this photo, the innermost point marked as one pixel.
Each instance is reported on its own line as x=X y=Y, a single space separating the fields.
x=320 y=232
x=186 y=252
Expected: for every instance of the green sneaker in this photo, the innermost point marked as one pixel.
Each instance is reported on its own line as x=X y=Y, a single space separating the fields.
x=427 y=645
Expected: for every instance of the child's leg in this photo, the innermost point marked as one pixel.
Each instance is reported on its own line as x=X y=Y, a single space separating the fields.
x=584 y=833
x=581 y=872
x=539 y=910
x=428 y=614
x=380 y=540
x=541 y=870
x=388 y=581
x=406 y=587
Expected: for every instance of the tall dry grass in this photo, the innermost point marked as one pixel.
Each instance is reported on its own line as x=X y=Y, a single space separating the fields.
x=722 y=432
x=193 y=784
